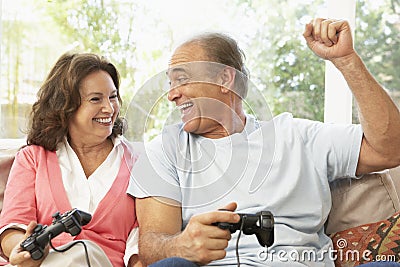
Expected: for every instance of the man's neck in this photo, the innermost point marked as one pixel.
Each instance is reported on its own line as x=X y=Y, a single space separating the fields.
x=228 y=126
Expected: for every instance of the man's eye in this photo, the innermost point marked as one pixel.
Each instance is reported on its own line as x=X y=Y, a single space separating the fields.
x=178 y=81
x=182 y=80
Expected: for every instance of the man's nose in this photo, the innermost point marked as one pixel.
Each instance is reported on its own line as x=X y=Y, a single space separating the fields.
x=174 y=93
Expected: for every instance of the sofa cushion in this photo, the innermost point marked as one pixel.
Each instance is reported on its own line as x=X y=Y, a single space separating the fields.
x=5 y=165
x=8 y=149
x=395 y=173
x=379 y=241
x=356 y=202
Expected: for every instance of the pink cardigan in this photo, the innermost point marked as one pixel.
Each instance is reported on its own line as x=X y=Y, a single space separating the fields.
x=35 y=192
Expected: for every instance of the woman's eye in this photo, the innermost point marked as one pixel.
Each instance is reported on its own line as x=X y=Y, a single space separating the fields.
x=95 y=99
x=113 y=97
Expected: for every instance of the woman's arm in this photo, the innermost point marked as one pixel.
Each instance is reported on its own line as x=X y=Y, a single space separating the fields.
x=9 y=239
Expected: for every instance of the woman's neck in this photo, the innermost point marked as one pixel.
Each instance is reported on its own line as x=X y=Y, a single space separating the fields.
x=91 y=156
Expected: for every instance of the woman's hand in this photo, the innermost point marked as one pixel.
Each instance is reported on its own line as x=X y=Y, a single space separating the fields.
x=22 y=258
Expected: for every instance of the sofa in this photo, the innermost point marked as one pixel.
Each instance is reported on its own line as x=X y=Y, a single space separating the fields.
x=8 y=149
x=364 y=216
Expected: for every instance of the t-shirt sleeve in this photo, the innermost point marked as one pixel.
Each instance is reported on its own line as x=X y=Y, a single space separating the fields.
x=154 y=173
x=19 y=196
x=334 y=148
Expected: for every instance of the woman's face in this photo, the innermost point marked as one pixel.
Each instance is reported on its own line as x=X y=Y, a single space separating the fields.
x=93 y=122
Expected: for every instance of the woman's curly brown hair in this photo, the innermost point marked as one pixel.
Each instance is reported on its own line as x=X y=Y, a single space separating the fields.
x=59 y=98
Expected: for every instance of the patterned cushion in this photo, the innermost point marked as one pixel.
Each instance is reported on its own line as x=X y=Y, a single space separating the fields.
x=378 y=241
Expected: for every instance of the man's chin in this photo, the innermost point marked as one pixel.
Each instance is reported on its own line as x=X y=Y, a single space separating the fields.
x=190 y=126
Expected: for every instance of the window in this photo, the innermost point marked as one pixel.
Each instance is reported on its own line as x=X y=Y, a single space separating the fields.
x=377 y=40
x=139 y=36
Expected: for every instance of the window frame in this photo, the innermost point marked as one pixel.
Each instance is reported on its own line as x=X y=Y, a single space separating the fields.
x=337 y=92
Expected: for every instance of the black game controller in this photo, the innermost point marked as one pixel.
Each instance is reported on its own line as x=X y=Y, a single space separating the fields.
x=70 y=222
x=261 y=224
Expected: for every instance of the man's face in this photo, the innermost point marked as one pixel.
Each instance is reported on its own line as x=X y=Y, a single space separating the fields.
x=195 y=88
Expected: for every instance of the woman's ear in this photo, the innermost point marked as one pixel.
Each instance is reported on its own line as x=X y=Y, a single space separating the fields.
x=227 y=79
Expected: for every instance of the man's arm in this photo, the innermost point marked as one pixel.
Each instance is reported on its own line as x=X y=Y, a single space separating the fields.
x=134 y=261
x=160 y=234
x=379 y=116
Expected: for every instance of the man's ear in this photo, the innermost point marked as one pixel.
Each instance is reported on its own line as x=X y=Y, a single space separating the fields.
x=227 y=79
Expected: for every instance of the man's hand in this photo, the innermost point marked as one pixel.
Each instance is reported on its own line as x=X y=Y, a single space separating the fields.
x=23 y=258
x=161 y=235
x=204 y=242
x=379 y=116
x=329 y=39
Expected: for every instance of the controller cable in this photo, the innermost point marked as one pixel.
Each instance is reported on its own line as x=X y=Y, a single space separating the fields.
x=70 y=246
x=237 y=240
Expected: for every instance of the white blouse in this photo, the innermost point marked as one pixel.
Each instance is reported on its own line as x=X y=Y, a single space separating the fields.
x=86 y=193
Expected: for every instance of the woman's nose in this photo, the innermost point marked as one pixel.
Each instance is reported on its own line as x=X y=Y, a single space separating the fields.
x=108 y=106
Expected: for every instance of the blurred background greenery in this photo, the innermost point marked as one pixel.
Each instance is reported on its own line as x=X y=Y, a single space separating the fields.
x=139 y=36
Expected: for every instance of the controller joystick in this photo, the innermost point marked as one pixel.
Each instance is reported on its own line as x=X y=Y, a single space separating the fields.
x=70 y=222
x=261 y=224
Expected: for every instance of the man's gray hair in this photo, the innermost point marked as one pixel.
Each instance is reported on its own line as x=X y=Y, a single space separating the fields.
x=221 y=48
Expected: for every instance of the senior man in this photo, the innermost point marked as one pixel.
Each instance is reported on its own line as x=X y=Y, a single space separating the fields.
x=219 y=157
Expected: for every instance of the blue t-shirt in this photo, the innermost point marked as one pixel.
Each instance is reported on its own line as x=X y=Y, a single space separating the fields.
x=283 y=165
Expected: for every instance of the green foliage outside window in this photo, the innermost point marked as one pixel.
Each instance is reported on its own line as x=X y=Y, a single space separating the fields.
x=284 y=70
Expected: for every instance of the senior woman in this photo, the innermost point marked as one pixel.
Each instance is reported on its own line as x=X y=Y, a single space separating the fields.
x=76 y=157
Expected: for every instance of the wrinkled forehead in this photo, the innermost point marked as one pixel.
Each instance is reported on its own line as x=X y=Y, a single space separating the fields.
x=195 y=68
x=190 y=52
